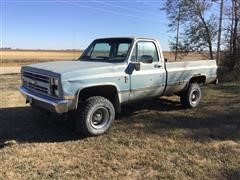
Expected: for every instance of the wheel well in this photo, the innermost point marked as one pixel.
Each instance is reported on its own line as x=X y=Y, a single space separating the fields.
x=198 y=79
x=108 y=91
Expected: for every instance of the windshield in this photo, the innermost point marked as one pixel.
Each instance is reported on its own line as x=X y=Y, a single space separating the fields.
x=112 y=50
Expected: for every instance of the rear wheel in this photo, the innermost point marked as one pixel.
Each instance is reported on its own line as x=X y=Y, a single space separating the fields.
x=95 y=116
x=192 y=96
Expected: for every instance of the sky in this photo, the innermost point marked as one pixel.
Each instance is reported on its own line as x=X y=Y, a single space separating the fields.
x=74 y=24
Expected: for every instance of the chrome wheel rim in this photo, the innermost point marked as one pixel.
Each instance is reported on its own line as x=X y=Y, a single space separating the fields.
x=100 y=118
x=195 y=97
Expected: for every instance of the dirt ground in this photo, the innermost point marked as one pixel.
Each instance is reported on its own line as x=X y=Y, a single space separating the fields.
x=157 y=139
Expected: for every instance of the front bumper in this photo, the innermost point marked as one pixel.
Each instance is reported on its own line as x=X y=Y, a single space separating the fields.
x=47 y=103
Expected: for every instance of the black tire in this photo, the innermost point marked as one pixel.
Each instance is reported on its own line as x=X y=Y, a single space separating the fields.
x=94 y=116
x=192 y=96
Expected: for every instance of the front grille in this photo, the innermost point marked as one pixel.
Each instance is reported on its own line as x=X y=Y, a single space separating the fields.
x=37 y=77
x=37 y=82
x=38 y=88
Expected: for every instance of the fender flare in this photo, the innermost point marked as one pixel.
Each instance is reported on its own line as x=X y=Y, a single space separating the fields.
x=118 y=97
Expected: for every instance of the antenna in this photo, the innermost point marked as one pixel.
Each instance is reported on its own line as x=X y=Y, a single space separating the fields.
x=73 y=45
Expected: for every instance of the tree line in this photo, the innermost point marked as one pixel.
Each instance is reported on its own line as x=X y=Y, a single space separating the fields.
x=205 y=26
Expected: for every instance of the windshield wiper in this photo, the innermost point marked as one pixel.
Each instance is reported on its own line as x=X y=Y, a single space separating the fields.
x=84 y=57
x=102 y=57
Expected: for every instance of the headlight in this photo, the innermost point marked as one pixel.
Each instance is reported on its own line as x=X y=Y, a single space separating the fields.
x=55 y=92
x=55 y=82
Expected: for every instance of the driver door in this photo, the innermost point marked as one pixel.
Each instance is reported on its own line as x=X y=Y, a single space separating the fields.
x=149 y=81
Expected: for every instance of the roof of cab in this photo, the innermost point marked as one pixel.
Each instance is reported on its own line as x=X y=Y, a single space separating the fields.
x=130 y=37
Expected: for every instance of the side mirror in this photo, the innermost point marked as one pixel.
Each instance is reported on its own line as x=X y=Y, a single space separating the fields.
x=146 y=59
x=134 y=66
x=165 y=59
x=137 y=66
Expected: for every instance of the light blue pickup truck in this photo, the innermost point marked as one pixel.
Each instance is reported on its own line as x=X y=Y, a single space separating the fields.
x=110 y=73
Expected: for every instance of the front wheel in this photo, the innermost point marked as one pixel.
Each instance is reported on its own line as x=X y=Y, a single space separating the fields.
x=192 y=96
x=95 y=116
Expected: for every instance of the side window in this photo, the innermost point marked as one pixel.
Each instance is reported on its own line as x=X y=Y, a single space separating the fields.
x=147 y=49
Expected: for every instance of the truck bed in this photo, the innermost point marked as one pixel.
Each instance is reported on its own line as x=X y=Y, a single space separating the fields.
x=179 y=73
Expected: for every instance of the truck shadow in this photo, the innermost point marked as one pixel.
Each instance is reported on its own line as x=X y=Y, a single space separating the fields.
x=170 y=118
x=158 y=104
x=25 y=124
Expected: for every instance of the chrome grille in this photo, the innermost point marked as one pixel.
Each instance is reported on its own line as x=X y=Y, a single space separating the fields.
x=37 y=77
x=36 y=82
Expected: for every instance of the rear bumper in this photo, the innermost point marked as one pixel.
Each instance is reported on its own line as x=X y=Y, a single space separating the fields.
x=47 y=103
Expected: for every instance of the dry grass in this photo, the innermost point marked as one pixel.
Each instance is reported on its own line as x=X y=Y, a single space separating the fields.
x=23 y=57
x=154 y=139
x=188 y=57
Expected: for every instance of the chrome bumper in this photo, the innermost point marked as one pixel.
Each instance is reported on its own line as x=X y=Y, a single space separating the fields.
x=50 y=104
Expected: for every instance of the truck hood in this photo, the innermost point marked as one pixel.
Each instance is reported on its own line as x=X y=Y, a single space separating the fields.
x=62 y=67
x=76 y=70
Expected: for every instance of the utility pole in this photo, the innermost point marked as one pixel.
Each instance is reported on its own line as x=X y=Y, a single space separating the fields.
x=219 y=33
x=177 y=37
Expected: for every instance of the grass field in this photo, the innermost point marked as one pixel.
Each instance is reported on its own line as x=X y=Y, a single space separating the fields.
x=154 y=139
x=22 y=57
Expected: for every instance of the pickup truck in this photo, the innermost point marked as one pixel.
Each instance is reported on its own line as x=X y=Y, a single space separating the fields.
x=112 y=72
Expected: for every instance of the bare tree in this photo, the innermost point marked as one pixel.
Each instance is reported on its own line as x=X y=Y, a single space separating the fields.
x=235 y=33
x=220 y=31
x=199 y=30
x=175 y=10
x=232 y=34
x=202 y=30
x=200 y=35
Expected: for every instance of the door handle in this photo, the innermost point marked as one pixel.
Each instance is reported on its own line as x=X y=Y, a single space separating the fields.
x=125 y=79
x=157 y=66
